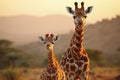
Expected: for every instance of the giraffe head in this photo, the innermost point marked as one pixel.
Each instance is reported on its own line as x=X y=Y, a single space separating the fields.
x=49 y=41
x=80 y=14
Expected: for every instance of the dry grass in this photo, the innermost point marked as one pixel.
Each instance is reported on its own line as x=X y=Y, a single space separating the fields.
x=107 y=73
x=31 y=73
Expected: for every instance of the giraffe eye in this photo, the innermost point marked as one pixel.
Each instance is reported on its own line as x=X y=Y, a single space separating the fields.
x=44 y=43
x=74 y=17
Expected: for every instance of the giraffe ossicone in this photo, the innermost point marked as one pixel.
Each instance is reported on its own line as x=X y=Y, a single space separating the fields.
x=53 y=70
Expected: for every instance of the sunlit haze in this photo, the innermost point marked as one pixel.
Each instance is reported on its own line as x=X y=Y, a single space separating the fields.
x=22 y=21
x=102 y=8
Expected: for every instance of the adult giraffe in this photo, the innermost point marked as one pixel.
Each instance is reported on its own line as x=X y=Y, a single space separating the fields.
x=75 y=62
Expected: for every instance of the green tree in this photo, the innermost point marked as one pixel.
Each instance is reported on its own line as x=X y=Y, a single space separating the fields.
x=96 y=57
x=8 y=54
x=4 y=47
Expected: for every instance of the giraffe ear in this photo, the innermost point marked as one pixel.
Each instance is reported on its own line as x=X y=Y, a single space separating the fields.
x=89 y=9
x=41 y=39
x=57 y=38
x=69 y=9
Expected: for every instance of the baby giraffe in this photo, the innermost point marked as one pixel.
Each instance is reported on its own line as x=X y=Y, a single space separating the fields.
x=53 y=70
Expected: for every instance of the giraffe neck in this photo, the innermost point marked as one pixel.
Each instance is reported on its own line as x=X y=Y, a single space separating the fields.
x=77 y=39
x=51 y=58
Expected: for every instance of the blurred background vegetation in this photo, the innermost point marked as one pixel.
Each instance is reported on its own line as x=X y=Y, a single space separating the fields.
x=15 y=57
x=102 y=43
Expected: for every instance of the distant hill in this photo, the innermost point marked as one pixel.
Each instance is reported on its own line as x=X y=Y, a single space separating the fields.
x=103 y=35
x=24 y=29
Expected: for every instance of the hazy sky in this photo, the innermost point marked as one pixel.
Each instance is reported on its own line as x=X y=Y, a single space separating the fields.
x=102 y=8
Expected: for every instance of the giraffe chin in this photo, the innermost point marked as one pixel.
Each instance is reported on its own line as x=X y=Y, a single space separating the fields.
x=49 y=48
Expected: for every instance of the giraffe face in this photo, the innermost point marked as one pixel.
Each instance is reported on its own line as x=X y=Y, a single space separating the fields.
x=79 y=15
x=49 y=41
